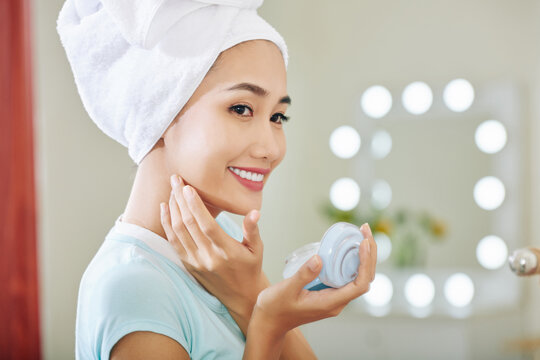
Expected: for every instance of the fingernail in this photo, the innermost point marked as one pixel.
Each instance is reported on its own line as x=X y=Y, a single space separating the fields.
x=313 y=263
x=188 y=192
x=162 y=206
x=365 y=227
x=174 y=181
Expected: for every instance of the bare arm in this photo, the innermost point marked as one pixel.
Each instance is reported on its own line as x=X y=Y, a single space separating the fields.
x=294 y=345
x=264 y=341
x=145 y=345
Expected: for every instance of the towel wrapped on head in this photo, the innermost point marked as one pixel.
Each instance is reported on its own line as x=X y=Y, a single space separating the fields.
x=136 y=63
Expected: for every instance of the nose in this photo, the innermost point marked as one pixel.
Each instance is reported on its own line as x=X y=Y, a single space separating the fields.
x=268 y=142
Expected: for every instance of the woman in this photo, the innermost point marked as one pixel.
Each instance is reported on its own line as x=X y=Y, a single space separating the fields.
x=172 y=282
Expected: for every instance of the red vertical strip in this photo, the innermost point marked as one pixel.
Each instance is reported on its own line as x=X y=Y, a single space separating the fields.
x=19 y=317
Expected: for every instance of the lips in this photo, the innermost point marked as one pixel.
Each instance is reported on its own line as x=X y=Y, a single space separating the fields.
x=250 y=184
x=252 y=169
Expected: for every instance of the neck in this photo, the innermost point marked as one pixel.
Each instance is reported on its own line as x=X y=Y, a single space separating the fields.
x=151 y=187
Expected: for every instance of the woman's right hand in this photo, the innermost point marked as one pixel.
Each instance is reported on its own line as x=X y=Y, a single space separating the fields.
x=286 y=305
x=228 y=269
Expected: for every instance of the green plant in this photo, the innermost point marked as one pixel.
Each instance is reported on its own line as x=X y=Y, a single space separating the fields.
x=410 y=232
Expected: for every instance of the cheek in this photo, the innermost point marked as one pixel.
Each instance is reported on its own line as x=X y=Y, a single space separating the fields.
x=203 y=156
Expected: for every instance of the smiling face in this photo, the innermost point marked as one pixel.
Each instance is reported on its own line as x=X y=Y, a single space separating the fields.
x=231 y=127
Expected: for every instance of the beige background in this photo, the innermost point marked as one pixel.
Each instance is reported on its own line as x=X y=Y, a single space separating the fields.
x=338 y=49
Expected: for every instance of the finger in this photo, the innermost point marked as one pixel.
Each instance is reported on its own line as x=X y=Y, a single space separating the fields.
x=306 y=274
x=171 y=236
x=366 y=231
x=179 y=228
x=361 y=284
x=206 y=224
x=367 y=263
x=373 y=249
x=252 y=237
x=200 y=240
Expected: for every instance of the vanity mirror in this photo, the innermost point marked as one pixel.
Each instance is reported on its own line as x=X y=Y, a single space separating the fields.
x=439 y=174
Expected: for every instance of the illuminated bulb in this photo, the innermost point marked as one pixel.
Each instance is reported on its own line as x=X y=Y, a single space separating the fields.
x=345 y=194
x=490 y=136
x=419 y=290
x=491 y=252
x=489 y=193
x=345 y=142
x=376 y=101
x=417 y=98
x=381 y=144
x=458 y=95
x=459 y=290
x=380 y=292
x=381 y=194
x=384 y=246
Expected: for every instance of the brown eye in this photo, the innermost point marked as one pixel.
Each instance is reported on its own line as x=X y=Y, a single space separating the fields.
x=242 y=110
x=279 y=118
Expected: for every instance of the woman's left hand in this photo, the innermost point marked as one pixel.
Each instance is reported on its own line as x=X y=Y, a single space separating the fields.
x=228 y=269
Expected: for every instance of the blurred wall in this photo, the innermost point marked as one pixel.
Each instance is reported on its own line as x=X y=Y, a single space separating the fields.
x=84 y=180
x=336 y=52
x=394 y=43
x=531 y=315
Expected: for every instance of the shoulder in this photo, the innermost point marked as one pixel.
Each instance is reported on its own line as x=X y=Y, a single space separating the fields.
x=125 y=290
x=128 y=280
x=124 y=266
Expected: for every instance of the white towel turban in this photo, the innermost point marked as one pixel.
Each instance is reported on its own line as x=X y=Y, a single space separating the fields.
x=136 y=63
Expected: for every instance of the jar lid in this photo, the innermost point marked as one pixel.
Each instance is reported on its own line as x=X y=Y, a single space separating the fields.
x=339 y=253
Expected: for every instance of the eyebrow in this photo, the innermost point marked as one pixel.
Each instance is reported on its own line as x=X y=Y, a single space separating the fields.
x=259 y=91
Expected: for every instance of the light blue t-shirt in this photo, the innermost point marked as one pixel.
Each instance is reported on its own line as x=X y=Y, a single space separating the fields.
x=136 y=282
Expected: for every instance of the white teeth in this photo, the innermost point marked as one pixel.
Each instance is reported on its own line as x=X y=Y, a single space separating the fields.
x=252 y=176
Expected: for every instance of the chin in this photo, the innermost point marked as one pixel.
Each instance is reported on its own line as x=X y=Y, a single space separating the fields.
x=242 y=207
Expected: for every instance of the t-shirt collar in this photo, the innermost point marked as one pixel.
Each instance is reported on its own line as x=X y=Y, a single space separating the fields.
x=153 y=240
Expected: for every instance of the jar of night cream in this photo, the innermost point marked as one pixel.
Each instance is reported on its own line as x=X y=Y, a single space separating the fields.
x=338 y=250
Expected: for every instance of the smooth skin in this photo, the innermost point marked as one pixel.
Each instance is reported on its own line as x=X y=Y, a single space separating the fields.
x=222 y=125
